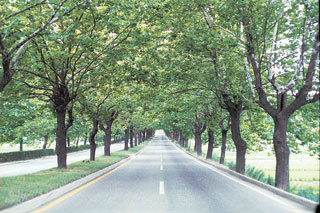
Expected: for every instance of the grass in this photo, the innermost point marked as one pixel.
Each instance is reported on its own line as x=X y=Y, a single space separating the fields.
x=14 y=190
x=304 y=170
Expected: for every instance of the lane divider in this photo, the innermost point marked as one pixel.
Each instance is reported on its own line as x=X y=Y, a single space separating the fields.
x=59 y=200
x=161 y=188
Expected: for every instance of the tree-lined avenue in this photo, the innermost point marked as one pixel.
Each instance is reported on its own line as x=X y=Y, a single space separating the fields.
x=183 y=185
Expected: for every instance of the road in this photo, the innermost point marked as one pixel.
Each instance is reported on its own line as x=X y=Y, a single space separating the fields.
x=164 y=179
x=34 y=165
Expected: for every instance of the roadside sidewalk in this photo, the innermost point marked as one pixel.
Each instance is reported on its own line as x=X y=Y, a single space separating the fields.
x=16 y=168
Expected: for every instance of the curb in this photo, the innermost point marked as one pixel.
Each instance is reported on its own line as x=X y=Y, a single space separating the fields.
x=44 y=199
x=310 y=205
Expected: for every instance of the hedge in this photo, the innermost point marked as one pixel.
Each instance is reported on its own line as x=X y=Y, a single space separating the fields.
x=25 y=155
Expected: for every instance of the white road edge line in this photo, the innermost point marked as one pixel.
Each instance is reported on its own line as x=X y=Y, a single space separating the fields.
x=161 y=167
x=161 y=188
x=237 y=181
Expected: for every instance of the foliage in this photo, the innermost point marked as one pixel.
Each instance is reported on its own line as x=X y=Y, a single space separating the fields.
x=25 y=155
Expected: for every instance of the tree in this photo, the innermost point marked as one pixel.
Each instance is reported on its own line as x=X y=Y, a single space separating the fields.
x=66 y=56
x=291 y=77
x=25 y=28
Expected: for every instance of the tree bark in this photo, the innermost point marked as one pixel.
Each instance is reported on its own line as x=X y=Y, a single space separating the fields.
x=144 y=135
x=85 y=140
x=131 y=137
x=126 y=139
x=210 y=144
x=180 y=138
x=68 y=141
x=61 y=137
x=223 y=145
x=77 y=141
x=135 y=139
x=46 y=137
x=282 y=152
x=107 y=141
x=198 y=143
x=21 y=144
x=241 y=145
x=92 y=141
x=139 y=137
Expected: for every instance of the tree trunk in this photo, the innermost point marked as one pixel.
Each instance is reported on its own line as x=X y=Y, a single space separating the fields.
x=77 y=142
x=198 y=143
x=46 y=137
x=181 y=138
x=223 y=146
x=241 y=145
x=139 y=137
x=143 y=135
x=21 y=144
x=61 y=137
x=126 y=139
x=135 y=139
x=131 y=137
x=282 y=152
x=176 y=136
x=85 y=140
x=210 y=144
x=68 y=141
x=107 y=141
x=92 y=141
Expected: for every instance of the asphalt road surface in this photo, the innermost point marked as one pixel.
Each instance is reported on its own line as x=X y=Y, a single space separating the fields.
x=164 y=179
x=34 y=165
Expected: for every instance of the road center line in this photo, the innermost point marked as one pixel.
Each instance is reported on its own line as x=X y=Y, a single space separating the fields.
x=161 y=188
x=161 y=167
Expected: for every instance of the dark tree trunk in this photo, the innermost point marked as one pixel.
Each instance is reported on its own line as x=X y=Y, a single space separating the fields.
x=85 y=140
x=131 y=137
x=223 y=145
x=68 y=141
x=143 y=135
x=181 y=138
x=107 y=141
x=46 y=137
x=210 y=144
x=107 y=132
x=126 y=139
x=77 y=142
x=282 y=152
x=139 y=137
x=135 y=139
x=21 y=144
x=61 y=136
x=198 y=143
x=241 y=145
x=92 y=141
x=176 y=136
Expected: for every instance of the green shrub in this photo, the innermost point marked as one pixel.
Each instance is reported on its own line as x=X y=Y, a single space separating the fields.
x=306 y=192
x=231 y=165
x=79 y=148
x=25 y=155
